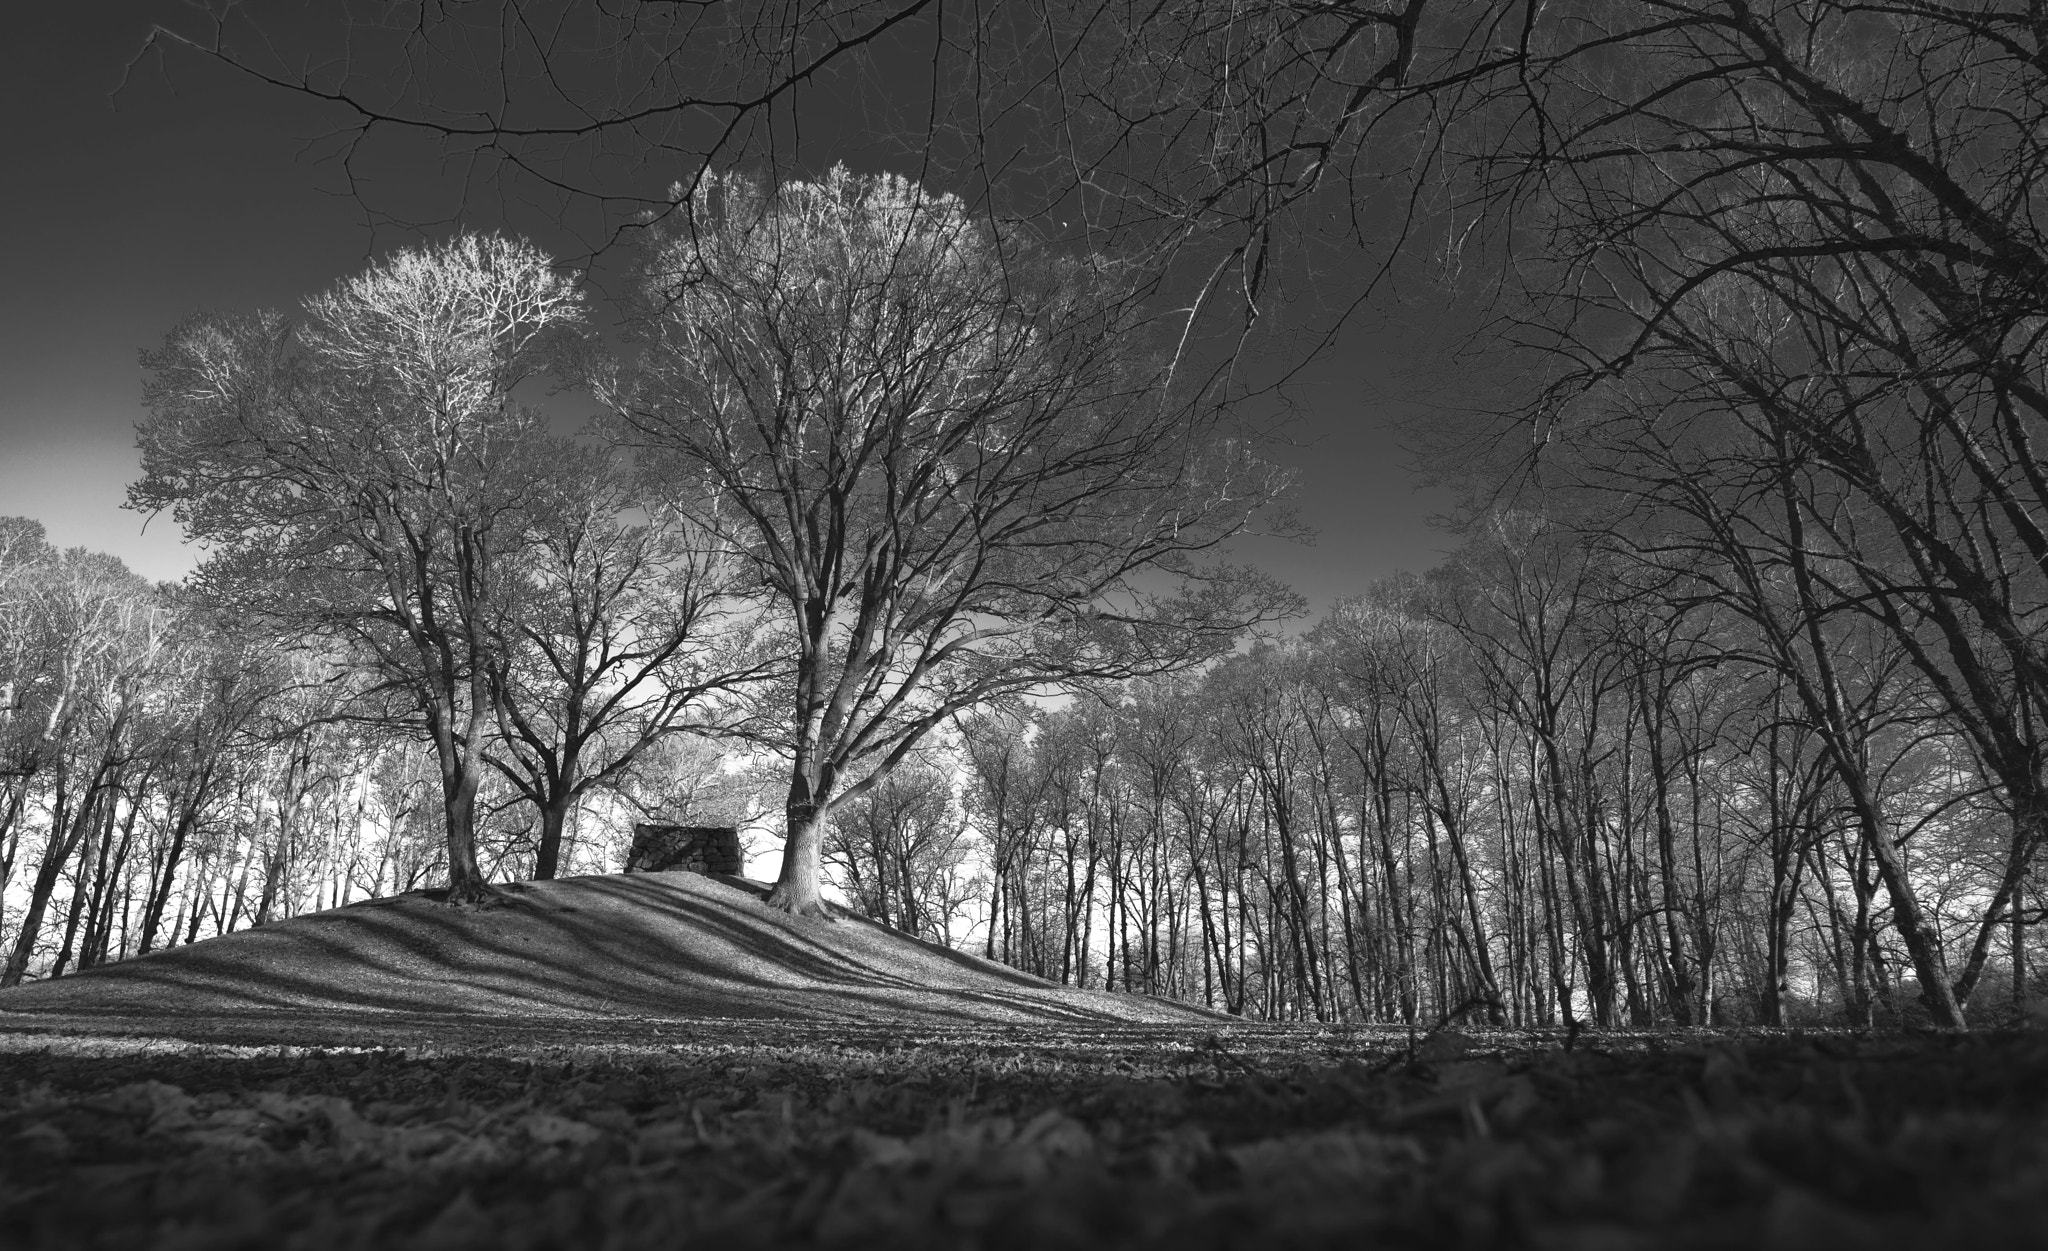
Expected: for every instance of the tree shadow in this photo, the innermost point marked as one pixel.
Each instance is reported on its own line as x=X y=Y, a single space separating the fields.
x=652 y=946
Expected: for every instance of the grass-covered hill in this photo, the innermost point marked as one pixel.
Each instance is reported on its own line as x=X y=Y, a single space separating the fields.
x=641 y=946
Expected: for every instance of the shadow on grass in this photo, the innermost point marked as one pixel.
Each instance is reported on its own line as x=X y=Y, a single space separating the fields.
x=647 y=945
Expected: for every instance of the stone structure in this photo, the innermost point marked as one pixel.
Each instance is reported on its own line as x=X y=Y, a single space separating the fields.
x=689 y=848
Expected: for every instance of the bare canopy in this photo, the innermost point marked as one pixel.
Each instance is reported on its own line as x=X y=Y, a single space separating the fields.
x=955 y=469
x=362 y=475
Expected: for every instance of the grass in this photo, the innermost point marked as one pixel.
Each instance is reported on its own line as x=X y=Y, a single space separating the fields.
x=567 y=953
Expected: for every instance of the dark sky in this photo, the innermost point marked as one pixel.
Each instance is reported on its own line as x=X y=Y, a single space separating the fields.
x=189 y=189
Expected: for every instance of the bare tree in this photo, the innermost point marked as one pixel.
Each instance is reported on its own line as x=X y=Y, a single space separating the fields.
x=363 y=474
x=106 y=628
x=1786 y=263
x=901 y=849
x=946 y=458
x=29 y=674
x=215 y=685
x=624 y=631
x=1001 y=796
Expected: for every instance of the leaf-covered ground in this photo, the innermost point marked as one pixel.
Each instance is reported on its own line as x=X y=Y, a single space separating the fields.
x=787 y=1135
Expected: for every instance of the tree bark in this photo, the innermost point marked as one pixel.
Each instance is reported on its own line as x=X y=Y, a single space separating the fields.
x=547 y=858
x=466 y=885
x=98 y=834
x=160 y=897
x=798 y=886
x=461 y=762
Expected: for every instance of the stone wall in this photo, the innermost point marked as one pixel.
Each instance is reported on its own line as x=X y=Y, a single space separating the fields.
x=690 y=848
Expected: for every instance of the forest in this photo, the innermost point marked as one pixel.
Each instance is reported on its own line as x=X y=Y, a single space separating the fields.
x=1509 y=792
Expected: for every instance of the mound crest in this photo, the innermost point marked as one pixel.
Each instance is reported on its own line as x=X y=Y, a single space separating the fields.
x=647 y=945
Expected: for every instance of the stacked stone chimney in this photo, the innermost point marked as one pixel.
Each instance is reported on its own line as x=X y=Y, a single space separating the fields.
x=688 y=848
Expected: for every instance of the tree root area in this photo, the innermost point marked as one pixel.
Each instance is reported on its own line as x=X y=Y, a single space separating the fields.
x=771 y=1135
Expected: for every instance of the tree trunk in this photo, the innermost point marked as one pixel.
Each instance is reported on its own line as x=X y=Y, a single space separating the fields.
x=2030 y=817
x=1677 y=962
x=1916 y=929
x=1482 y=954
x=160 y=896
x=458 y=743
x=198 y=903
x=10 y=827
x=107 y=891
x=2019 y=951
x=466 y=885
x=65 y=830
x=98 y=835
x=548 y=858
x=798 y=886
x=273 y=871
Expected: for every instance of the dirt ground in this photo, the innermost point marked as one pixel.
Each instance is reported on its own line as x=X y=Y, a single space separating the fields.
x=659 y=1133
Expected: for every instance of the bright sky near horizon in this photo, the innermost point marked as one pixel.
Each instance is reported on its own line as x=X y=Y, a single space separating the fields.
x=189 y=189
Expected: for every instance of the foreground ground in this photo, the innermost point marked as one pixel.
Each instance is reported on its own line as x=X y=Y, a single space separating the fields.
x=662 y=1133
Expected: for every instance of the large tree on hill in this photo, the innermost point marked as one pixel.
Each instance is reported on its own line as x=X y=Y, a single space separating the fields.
x=954 y=469
x=364 y=474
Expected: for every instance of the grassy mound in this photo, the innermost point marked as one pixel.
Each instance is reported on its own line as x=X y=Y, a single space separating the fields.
x=673 y=946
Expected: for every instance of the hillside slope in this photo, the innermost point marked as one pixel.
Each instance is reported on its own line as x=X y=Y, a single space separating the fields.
x=646 y=945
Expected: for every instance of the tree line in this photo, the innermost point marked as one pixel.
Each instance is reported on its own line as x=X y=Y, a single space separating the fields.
x=1520 y=789
x=1527 y=788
